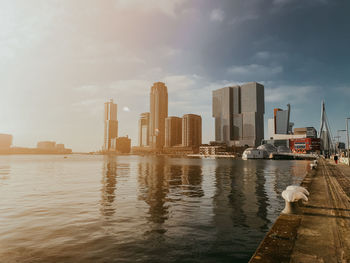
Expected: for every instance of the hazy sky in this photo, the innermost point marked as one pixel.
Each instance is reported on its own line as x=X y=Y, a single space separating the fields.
x=61 y=60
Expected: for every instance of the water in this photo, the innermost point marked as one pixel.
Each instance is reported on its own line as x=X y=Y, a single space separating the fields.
x=138 y=209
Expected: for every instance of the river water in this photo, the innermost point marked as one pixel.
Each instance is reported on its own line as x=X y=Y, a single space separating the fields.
x=86 y=208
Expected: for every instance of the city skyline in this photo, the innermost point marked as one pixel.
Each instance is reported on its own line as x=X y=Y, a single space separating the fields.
x=62 y=61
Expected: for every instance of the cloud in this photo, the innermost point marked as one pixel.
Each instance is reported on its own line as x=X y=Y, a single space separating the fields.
x=344 y=90
x=254 y=71
x=243 y=18
x=126 y=109
x=165 y=7
x=263 y=55
x=289 y=94
x=217 y=15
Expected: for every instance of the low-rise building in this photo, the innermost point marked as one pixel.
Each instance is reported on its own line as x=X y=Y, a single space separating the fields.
x=122 y=144
x=5 y=141
x=46 y=145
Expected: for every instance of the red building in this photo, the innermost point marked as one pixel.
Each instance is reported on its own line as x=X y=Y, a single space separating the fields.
x=305 y=145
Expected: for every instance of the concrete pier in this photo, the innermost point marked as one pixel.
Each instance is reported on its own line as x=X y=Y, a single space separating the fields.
x=321 y=233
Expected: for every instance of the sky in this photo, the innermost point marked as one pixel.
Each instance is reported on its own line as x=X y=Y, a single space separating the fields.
x=60 y=60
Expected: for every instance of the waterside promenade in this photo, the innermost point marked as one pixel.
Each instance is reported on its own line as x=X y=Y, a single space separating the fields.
x=321 y=233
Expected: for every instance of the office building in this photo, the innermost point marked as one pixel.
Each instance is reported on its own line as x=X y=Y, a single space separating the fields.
x=239 y=114
x=111 y=124
x=191 y=130
x=46 y=145
x=173 y=131
x=158 y=113
x=122 y=144
x=144 y=129
x=281 y=119
x=5 y=141
x=280 y=123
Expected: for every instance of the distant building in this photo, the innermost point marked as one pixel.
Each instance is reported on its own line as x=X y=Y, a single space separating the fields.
x=239 y=114
x=122 y=144
x=144 y=129
x=60 y=146
x=281 y=118
x=191 y=130
x=46 y=145
x=111 y=124
x=280 y=124
x=173 y=131
x=213 y=148
x=158 y=113
x=308 y=132
x=5 y=141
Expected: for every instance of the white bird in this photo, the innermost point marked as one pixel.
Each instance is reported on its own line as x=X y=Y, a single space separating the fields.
x=298 y=188
x=292 y=196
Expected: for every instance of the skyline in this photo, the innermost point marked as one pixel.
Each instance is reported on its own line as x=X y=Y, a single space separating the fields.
x=62 y=61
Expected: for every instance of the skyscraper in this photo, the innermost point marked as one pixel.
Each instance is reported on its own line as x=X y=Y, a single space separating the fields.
x=158 y=113
x=239 y=114
x=144 y=129
x=173 y=131
x=191 y=130
x=280 y=124
x=111 y=125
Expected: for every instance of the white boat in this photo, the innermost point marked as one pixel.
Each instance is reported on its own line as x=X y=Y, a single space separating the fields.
x=253 y=153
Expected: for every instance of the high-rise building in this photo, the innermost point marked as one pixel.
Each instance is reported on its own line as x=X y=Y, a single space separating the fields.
x=239 y=114
x=282 y=118
x=191 y=130
x=144 y=129
x=173 y=131
x=280 y=124
x=158 y=113
x=5 y=141
x=111 y=125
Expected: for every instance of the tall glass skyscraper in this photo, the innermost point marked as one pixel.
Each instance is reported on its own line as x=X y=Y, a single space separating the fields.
x=111 y=125
x=144 y=129
x=158 y=113
x=191 y=130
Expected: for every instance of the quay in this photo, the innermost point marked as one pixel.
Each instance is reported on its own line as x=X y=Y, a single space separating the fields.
x=292 y=156
x=321 y=232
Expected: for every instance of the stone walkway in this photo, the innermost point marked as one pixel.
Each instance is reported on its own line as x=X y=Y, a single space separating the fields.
x=322 y=232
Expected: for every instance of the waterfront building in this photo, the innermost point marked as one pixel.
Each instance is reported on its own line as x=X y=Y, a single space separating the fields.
x=173 y=131
x=191 y=130
x=307 y=132
x=144 y=129
x=46 y=145
x=111 y=124
x=239 y=114
x=158 y=113
x=5 y=141
x=60 y=146
x=122 y=144
x=280 y=123
x=213 y=148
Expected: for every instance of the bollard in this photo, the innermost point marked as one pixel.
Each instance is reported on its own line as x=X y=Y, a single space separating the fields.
x=292 y=197
x=298 y=188
x=313 y=166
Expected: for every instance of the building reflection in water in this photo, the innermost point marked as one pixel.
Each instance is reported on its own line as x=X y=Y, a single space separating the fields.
x=163 y=183
x=109 y=182
x=154 y=186
x=192 y=181
x=240 y=199
x=4 y=173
